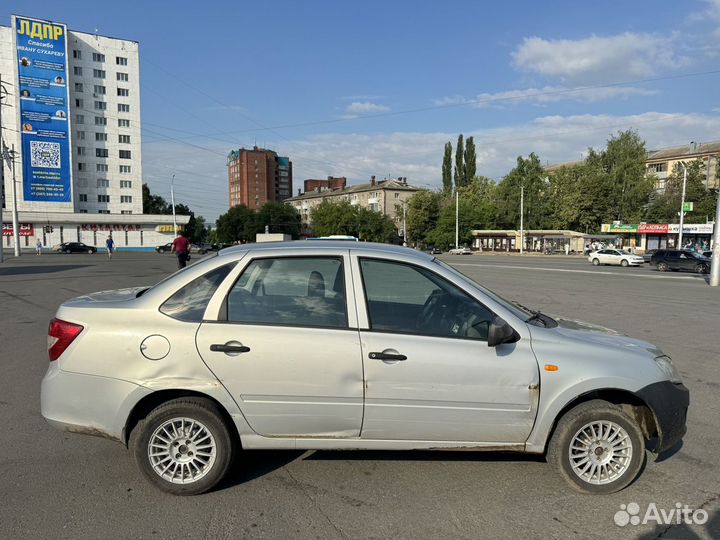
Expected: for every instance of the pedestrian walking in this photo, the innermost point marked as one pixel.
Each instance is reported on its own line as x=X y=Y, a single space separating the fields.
x=110 y=246
x=181 y=247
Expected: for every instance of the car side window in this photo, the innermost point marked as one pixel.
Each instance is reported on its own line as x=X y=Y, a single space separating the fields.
x=293 y=291
x=190 y=302
x=412 y=300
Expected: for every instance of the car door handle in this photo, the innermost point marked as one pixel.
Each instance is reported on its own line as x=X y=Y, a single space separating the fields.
x=386 y=356
x=228 y=348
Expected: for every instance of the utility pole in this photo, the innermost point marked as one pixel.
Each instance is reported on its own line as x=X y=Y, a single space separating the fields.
x=682 y=207
x=405 y=234
x=522 y=215
x=2 y=174
x=715 y=264
x=457 y=219
x=172 y=202
x=16 y=225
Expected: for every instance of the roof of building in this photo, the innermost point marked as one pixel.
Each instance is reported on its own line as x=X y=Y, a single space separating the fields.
x=72 y=217
x=380 y=184
x=556 y=166
x=684 y=151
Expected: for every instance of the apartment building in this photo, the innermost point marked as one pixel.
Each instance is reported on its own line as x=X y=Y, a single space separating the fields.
x=258 y=175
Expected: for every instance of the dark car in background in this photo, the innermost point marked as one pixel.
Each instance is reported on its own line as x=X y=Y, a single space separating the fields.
x=165 y=248
x=74 y=247
x=675 y=259
x=647 y=256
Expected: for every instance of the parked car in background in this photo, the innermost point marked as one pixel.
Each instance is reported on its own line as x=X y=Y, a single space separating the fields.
x=382 y=347
x=165 y=248
x=707 y=253
x=74 y=247
x=675 y=259
x=460 y=251
x=648 y=255
x=435 y=251
x=615 y=256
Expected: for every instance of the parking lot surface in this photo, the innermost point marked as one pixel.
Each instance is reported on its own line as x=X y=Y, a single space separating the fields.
x=59 y=485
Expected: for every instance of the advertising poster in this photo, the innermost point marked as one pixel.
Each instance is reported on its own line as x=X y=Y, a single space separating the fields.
x=44 y=112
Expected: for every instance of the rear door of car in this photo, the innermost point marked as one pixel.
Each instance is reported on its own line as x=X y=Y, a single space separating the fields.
x=285 y=344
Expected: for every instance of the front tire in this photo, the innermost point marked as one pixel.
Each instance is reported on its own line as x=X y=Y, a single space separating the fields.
x=597 y=448
x=596 y=262
x=701 y=269
x=183 y=446
x=663 y=267
x=624 y=263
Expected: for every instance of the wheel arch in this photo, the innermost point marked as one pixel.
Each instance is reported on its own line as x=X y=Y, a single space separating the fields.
x=628 y=401
x=143 y=407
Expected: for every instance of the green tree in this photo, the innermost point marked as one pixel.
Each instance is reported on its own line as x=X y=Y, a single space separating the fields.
x=280 y=218
x=154 y=204
x=343 y=218
x=528 y=173
x=664 y=207
x=447 y=169
x=374 y=226
x=236 y=225
x=459 y=163
x=470 y=161
x=422 y=215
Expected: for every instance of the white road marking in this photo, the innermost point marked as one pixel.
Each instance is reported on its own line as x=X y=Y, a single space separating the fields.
x=594 y=272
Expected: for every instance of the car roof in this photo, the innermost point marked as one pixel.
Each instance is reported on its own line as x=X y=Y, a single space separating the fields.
x=327 y=245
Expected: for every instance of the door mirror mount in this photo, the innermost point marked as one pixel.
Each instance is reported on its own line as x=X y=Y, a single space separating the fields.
x=501 y=332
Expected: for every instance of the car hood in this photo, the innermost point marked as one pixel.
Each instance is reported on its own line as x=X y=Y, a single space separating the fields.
x=599 y=335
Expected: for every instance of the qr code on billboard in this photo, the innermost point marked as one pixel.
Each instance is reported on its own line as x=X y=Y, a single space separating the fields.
x=45 y=154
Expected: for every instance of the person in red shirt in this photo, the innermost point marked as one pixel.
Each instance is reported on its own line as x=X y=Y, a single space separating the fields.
x=181 y=246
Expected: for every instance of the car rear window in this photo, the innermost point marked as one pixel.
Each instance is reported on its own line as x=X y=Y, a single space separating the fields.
x=190 y=302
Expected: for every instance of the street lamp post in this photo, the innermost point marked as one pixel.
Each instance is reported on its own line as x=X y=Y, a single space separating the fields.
x=172 y=202
x=457 y=219
x=405 y=234
x=522 y=230
x=715 y=264
x=682 y=207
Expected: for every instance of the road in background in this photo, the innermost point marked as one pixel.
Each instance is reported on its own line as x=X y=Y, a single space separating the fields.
x=59 y=485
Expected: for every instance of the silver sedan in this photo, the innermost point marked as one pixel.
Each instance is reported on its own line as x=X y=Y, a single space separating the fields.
x=615 y=256
x=326 y=345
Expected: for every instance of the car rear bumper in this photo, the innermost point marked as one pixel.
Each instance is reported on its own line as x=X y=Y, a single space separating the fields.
x=87 y=403
x=669 y=403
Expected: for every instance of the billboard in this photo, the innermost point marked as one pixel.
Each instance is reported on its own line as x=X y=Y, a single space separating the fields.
x=44 y=114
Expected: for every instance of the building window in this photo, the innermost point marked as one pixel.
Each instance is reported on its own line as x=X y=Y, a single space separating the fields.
x=104 y=198
x=125 y=198
x=121 y=61
x=82 y=197
x=79 y=103
x=80 y=150
x=126 y=212
x=82 y=182
x=125 y=154
x=78 y=87
x=100 y=121
x=77 y=70
x=123 y=92
x=123 y=122
x=80 y=135
x=99 y=73
x=103 y=211
x=103 y=182
x=124 y=139
x=658 y=167
x=100 y=106
x=125 y=169
x=79 y=119
x=99 y=89
x=101 y=167
x=97 y=57
x=397 y=195
x=125 y=183
x=81 y=167
x=101 y=152
x=101 y=136
x=122 y=77
x=123 y=107
x=77 y=54
x=83 y=211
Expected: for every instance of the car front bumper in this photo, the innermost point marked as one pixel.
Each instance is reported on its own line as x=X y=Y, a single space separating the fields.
x=669 y=403
x=87 y=403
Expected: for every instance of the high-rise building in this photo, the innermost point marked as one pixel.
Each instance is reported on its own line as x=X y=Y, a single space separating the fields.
x=71 y=111
x=258 y=175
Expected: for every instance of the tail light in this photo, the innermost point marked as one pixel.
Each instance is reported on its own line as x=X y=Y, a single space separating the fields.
x=60 y=335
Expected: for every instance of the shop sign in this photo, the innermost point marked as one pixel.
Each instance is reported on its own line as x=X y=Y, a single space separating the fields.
x=653 y=228
x=26 y=229
x=691 y=228
x=623 y=228
x=167 y=228
x=108 y=227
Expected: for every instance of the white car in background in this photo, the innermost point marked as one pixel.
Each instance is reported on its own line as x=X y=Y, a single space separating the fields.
x=615 y=256
x=460 y=251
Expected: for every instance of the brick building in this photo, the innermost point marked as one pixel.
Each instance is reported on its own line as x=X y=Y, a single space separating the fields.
x=258 y=175
x=332 y=182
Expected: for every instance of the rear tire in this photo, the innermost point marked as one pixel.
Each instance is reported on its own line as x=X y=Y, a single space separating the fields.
x=596 y=262
x=663 y=267
x=183 y=446
x=597 y=448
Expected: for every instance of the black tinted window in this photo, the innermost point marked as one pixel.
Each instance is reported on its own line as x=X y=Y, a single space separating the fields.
x=409 y=299
x=189 y=303
x=297 y=291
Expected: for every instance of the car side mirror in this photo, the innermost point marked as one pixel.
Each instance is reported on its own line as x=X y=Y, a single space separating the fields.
x=501 y=332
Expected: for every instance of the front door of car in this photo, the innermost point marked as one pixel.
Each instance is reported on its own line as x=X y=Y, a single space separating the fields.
x=429 y=373
x=285 y=345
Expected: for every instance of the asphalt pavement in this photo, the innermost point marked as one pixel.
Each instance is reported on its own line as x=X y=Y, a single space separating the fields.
x=59 y=485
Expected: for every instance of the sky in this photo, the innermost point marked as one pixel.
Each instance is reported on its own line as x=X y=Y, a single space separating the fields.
x=378 y=87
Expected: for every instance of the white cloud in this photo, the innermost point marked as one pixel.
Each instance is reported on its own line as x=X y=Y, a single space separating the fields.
x=365 y=107
x=546 y=94
x=597 y=58
x=202 y=183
